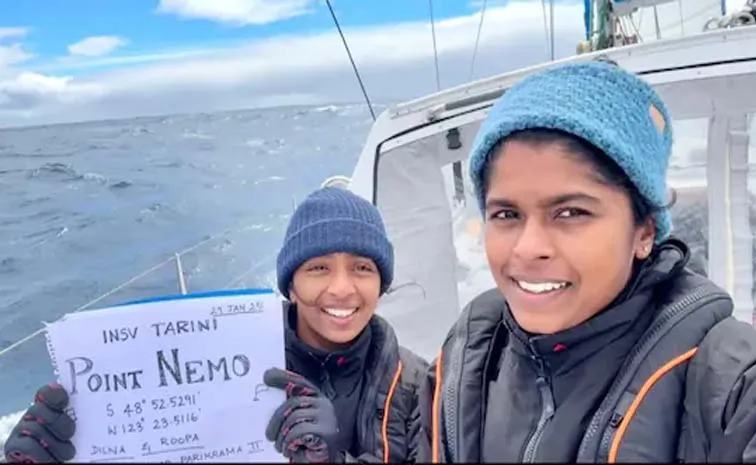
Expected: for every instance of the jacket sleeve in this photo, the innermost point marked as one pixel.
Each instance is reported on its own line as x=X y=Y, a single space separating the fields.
x=721 y=395
x=412 y=385
x=417 y=443
x=422 y=451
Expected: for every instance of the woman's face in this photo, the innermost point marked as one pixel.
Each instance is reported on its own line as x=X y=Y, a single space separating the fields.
x=336 y=295
x=559 y=239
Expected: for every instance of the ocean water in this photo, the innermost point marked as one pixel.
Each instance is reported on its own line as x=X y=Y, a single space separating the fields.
x=85 y=207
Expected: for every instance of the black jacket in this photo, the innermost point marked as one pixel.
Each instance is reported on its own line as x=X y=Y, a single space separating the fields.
x=373 y=386
x=664 y=374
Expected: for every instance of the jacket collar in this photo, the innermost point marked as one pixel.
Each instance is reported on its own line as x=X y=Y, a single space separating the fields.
x=633 y=306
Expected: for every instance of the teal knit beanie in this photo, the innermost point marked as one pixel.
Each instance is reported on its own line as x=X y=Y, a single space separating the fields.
x=599 y=102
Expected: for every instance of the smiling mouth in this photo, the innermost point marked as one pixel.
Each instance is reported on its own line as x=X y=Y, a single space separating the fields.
x=541 y=288
x=340 y=312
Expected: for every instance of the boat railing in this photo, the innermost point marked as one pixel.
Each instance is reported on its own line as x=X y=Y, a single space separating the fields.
x=182 y=264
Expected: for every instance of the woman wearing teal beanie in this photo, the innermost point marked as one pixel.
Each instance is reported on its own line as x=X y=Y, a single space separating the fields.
x=598 y=344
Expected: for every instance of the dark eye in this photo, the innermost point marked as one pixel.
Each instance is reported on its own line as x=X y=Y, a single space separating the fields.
x=567 y=213
x=317 y=268
x=504 y=215
x=365 y=268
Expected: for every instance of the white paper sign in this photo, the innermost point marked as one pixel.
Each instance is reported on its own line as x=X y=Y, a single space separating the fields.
x=172 y=380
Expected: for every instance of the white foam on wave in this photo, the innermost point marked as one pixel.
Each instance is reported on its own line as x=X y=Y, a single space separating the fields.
x=255 y=143
x=269 y=179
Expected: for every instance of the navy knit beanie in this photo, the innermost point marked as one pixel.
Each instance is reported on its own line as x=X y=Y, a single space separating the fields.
x=331 y=220
x=599 y=102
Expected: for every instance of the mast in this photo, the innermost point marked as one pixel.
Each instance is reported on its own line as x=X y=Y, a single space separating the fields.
x=599 y=26
x=603 y=19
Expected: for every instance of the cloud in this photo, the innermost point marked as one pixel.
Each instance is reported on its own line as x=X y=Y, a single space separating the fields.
x=23 y=92
x=14 y=52
x=29 y=89
x=310 y=68
x=7 y=32
x=96 y=46
x=395 y=61
x=237 y=12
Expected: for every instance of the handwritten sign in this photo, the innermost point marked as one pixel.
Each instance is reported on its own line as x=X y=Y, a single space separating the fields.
x=172 y=380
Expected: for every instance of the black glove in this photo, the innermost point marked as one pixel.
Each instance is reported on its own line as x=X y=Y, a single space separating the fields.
x=43 y=435
x=304 y=427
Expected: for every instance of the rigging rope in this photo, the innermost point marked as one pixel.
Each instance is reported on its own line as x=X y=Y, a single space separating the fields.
x=477 y=40
x=545 y=23
x=351 y=60
x=551 y=27
x=435 y=49
x=657 y=28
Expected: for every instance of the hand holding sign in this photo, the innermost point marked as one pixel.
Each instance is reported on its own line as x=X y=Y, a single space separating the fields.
x=44 y=432
x=304 y=427
x=155 y=381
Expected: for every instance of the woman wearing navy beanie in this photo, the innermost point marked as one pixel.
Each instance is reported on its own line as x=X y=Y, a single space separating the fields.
x=351 y=389
x=598 y=344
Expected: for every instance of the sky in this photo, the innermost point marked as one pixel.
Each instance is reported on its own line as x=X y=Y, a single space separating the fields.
x=94 y=59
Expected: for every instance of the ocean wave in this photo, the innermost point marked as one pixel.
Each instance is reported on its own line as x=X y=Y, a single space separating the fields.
x=190 y=134
x=66 y=172
x=37 y=155
x=268 y=180
x=254 y=143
